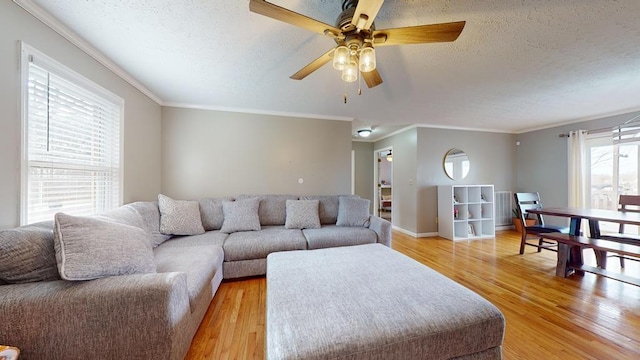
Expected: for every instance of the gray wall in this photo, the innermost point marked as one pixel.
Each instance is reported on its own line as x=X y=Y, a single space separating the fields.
x=543 y=159
x=404 y=215
x=364 y=162
x=418 y=154
x=208 y=153
x=142 y=165
x=492 y=157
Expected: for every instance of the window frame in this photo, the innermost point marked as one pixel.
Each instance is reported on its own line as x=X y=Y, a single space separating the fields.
x=28 y=52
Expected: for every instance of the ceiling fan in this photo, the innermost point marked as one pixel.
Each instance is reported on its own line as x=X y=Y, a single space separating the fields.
x=356 y=37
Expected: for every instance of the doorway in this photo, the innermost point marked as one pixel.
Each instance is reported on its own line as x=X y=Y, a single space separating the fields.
x=383 y=180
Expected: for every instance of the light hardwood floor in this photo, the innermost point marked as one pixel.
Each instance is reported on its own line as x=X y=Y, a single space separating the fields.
x=547 y=317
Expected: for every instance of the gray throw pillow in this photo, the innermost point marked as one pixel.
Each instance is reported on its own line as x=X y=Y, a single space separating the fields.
x=241 y=215
x=273 y=209
x=87 y=248
x=211 y=212
x=179 y=217
x=328 y=207
x=302 y=214
x=27 y=254
x=353 y=212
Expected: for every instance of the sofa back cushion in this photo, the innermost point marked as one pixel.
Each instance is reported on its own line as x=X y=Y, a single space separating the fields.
x=211 y=212
x=327 y=207
x=273 y=208
x=151 y=220
x=27 y=254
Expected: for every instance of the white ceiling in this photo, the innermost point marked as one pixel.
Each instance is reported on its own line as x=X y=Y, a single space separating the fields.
x=518 y=64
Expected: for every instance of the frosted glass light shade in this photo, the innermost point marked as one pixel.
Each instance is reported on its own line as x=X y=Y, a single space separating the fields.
x=367 y=59
x=364 y=132
x=341 y=58
x=350 y=72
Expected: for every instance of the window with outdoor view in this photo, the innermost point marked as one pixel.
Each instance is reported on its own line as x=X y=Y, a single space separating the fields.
x=613 y=172
x=71 y=158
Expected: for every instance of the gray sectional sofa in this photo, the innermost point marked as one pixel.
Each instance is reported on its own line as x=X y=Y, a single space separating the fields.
x=125 y=285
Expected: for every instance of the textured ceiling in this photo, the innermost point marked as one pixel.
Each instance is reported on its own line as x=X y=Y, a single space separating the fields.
x=518 y=64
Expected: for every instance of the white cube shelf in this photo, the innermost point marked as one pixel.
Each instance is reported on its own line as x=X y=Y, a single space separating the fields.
x=466 y=212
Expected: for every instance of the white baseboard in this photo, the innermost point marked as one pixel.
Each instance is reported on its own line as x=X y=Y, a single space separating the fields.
x=415 y=235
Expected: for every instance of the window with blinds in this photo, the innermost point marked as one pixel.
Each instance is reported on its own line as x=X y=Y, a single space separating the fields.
x=625 y=134
x=71 y=153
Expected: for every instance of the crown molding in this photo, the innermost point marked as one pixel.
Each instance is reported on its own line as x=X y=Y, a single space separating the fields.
x=587 y=118
x=444 y=127
x=83 y=45
x=257 y=111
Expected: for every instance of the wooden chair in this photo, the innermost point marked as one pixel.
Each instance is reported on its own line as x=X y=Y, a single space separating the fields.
x=530 y=201
x=629 y=203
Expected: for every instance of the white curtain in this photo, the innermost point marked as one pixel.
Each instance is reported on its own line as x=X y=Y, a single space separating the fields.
x=578 y=169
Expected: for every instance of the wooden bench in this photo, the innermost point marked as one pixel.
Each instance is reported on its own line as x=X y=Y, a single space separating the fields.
x=566 y=263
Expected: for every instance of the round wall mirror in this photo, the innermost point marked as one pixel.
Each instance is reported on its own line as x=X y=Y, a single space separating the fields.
x=456 y=164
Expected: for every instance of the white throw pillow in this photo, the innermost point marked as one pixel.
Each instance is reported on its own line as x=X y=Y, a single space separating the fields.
x=88 y=248
x=241 y=215
x=302 y=214
x=179 y=217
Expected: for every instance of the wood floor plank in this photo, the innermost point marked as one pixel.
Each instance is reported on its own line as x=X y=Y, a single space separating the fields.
x=548 y=317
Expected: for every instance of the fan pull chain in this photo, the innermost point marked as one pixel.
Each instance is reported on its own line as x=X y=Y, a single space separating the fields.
x=345 y=92
x=360 y=84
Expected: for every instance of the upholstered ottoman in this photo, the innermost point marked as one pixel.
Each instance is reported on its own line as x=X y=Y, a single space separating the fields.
x=371 y=302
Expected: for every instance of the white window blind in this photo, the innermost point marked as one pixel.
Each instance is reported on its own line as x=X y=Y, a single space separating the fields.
x=72 y=146
x=625 y=134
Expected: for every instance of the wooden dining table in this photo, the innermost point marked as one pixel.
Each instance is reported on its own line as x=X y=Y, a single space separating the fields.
x=571 y=251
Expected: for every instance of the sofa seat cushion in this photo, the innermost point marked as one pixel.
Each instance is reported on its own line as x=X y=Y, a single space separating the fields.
x=200 y=263
x=332 y=236
x=246 y=245
x=208 y=238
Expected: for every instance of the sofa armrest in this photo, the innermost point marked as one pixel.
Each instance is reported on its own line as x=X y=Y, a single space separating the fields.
x=382 y=228
x=129 y=316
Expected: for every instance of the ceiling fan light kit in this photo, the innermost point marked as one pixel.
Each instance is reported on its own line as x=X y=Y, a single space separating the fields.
x=356 y=37
x=350 y=72
x=367 y=59
x=364 y=132
x=341 y=57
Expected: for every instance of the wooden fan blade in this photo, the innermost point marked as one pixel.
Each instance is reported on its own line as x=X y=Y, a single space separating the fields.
x=444 y=32
x=368 y=8
x=313 y=66
x=372 y=78
x=279 y=13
